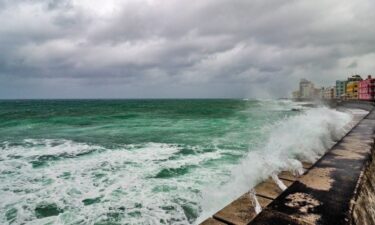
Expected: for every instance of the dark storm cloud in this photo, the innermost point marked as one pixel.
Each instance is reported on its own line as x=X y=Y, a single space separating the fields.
x=354 y=64
x=212 y=48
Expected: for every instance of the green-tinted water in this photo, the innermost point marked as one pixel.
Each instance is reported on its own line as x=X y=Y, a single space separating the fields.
x=123 y=161
x=118 y=122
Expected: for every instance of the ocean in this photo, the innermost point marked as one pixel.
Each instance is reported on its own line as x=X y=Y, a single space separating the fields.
x=149 y=161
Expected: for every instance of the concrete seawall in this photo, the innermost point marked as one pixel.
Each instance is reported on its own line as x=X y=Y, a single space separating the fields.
x=338 y=189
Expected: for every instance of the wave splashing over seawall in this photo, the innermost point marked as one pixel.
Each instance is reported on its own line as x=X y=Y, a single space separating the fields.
x=304 y=137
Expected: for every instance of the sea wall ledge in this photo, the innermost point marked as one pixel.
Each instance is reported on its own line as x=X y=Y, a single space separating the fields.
x=338 y=189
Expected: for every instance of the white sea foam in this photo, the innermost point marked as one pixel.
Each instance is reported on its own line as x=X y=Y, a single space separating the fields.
x=123 y=179
x=304 y=137
x=129 y=180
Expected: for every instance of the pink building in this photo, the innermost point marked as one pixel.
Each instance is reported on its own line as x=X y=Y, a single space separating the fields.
x=366 y=89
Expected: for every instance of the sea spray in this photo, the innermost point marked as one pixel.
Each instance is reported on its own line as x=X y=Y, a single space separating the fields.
x=254 y=199
x=139 y=161
x=304 y=137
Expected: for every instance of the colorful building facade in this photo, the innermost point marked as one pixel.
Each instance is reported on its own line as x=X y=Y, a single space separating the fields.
x=367 y=89
x=352 y=90
x=352 y=87
x=341 y=88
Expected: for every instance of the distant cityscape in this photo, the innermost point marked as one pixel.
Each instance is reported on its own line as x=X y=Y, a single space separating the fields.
x=353 y=88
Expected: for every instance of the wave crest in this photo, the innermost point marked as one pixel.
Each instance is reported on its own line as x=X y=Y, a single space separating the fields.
x=304 y=137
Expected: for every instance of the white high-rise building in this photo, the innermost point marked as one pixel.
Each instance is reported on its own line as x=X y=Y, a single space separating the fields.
x=307 y=89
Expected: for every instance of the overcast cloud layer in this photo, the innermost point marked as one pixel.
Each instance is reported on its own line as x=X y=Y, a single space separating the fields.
x=180 y=48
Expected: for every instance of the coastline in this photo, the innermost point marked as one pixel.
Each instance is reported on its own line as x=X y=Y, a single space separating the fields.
x=324 y=193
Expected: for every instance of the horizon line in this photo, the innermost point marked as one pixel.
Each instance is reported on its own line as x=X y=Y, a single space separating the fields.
x=203 y=98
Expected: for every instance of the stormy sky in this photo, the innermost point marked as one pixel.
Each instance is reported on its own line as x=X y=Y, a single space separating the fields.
x=180 y=48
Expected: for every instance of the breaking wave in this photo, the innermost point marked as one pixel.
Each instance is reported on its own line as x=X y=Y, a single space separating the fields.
x=304 y=137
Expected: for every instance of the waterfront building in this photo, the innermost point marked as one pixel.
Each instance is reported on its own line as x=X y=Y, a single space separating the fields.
x=316 y=93
x=334 y=92
x=352 y=87
x=352 y=90
x=307 y=89
x=341 y=89
x=329 y=93
x=321 y=93
x=366 y=89
x=296 y=95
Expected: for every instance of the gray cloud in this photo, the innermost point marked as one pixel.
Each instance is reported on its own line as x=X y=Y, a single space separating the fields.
x=354 y=64
x=212 y=48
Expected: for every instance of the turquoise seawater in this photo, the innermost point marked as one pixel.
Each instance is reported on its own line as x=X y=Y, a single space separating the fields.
x=126 y=161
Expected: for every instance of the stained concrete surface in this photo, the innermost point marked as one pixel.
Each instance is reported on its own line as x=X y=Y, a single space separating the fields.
x=327 y=192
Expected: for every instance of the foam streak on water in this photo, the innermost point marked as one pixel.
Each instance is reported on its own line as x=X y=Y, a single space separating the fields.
x=148 y=162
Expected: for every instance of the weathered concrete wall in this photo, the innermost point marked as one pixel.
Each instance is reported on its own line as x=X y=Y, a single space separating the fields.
x=363 y=212
x=363 y=206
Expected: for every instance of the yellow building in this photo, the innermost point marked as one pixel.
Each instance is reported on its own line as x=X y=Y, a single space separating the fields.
x=352 y=90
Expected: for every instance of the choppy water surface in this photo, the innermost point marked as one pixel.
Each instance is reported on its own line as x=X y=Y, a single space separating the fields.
x=147 y=161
